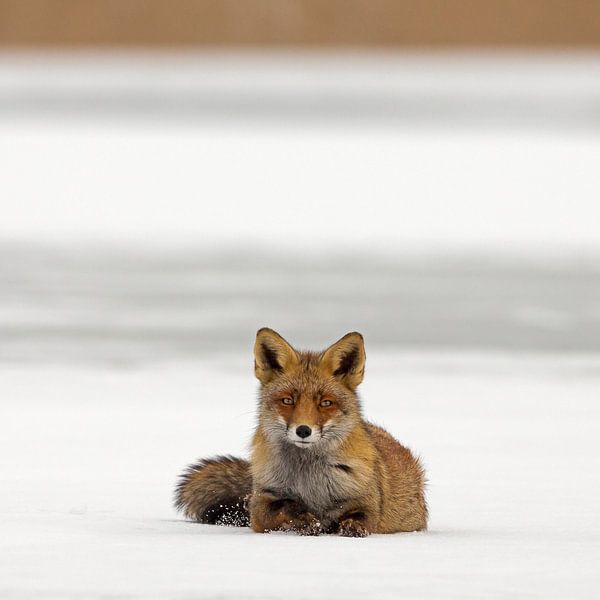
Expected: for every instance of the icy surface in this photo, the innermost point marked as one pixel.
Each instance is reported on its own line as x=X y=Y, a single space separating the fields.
x=304 y=151
x=326 y=162
x=89 y=457
x=126 y=307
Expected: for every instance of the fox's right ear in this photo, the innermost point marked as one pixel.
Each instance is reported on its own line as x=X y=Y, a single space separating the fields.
x=272 y=355
x=345 y=360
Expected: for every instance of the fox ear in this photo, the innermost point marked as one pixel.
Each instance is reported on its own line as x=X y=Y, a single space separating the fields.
x=345 y=359
x=272 y=355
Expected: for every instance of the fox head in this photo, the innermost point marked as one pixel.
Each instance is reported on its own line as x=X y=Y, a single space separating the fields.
x=308 y=399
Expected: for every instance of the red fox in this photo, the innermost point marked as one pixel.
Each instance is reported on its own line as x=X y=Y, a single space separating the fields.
x=316 y=466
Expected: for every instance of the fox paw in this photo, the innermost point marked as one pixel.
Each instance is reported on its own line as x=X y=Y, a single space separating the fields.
x=352 y=528
x=303 y=524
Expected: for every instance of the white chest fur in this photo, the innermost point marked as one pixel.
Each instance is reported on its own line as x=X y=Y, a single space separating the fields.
x=321 y=482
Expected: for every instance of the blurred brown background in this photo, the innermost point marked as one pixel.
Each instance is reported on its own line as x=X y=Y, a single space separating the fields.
x=386 y=23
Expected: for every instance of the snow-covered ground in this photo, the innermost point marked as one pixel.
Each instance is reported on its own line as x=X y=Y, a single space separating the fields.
x=378 y=152
x=155 y=210
x=90 y=457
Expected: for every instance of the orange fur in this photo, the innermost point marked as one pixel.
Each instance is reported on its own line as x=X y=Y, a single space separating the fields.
x=346 y=476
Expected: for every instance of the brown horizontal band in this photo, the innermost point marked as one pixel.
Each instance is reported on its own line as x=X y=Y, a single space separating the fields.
x=371 y=23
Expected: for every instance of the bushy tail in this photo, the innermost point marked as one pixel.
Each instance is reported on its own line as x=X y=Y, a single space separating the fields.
x=213 y=491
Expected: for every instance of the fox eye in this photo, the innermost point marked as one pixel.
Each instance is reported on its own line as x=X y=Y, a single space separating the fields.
x=326 y=403
x=287 y=401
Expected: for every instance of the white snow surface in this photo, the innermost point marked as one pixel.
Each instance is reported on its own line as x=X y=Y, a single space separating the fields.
x=385 y=151
x=89 y=458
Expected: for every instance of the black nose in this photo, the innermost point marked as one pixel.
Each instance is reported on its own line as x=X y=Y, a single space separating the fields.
x=303 y=431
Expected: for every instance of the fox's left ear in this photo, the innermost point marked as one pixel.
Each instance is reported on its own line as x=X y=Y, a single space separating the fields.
x=272 y=355
x=345 y=359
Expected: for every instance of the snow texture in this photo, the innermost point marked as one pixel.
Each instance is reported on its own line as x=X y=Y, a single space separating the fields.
x=323 y=159
x=90 y=457
x=383 y=151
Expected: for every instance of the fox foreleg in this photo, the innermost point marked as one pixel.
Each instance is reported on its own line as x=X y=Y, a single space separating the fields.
x=268 y=512
x=357 y=519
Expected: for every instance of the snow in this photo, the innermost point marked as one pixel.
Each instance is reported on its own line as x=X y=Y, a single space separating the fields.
x=385 y=151
x=157 y=209
x=90 y=456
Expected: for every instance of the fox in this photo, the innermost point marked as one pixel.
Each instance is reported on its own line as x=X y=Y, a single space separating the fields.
x=316 y=465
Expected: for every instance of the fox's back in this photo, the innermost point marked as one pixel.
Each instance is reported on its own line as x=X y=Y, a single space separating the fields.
x=401 y=479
